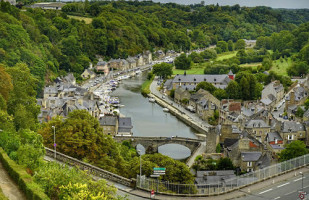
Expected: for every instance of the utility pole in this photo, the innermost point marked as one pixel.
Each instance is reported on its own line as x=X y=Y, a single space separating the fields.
x=55 y=141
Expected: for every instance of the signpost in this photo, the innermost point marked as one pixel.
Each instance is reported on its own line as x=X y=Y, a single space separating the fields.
x=157 y=171
x=152 y=194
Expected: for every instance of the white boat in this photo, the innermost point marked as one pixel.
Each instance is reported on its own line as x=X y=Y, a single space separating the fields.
x=166 y=109
x=152 y=100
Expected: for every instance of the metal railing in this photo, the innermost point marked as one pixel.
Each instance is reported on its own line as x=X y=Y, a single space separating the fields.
x=224 y=185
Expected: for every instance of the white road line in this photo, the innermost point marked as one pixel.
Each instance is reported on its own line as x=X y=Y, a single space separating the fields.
x=283 y=184
x=266 y=191
x=289 y=193
x=276 y=198
x=297 y=179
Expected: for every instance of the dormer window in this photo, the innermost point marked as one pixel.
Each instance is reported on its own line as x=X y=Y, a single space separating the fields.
x=179 y=79
x=204 y=79
x=215 y=80
x=194 y=79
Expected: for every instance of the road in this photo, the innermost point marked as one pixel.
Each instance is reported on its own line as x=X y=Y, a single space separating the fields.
x=286 y=190
x=194 y=117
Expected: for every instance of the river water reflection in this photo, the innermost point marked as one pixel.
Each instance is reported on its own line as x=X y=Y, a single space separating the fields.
x=149 y=120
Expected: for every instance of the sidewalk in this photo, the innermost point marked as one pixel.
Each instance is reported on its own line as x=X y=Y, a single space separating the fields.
x=8 y=186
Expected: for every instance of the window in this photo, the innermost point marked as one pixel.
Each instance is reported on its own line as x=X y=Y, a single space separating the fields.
x=290 y=137
x=249 y=164
x=276 y=141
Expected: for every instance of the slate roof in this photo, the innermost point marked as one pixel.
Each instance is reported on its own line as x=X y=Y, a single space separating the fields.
x=306 y=114
x=50 y=90
x=229 y=142
x=271 y=137
x=250 y=156
x=168 y=84
x=213 y=177
x=101 y=63
x=222 y=79
x=125 y=122
x=108 y=121
x=275 y=146
x=257 y=123
x=266 y=101
x=292 y=126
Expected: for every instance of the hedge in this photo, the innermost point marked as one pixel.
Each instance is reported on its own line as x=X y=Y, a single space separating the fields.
x=25 y=182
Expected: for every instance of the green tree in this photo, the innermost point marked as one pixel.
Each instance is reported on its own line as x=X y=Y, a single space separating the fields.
x=223 y=46
x=209 y=54
x=299 y=112
x=183 y=62
x=232 y=90
x=5 y=83
x=294 y=149
x=225 y=164
x=163 y=70
x=240 y=44
x=230 y=45
x=205 y=86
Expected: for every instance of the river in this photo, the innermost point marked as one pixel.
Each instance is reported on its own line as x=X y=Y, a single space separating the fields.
x=149 y=120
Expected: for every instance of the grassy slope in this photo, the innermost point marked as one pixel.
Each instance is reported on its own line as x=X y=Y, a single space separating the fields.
x=281 y=67
x=226 y=55
x=195 y=69
x=86 y=19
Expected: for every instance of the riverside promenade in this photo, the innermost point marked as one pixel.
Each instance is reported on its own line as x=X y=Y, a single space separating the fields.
x=184 y=115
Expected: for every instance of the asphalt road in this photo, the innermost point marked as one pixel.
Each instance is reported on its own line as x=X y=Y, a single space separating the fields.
x=286 y=190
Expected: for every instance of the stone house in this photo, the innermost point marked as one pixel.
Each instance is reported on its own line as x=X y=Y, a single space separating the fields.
x=258 y=129
x=229 y=112
x=291 y=131
x=306 y=115
x=88 y=74
x=207 y=181
x=274 y=142
x=297 y=96
x=218 y=80
x=132 y=62
x=181 y=94
x=125 y=126
x=159 y=54
x=102 y=66
x=206 y=106
x=139 y=60
x=273 y=92
x=116 y=64
x=109 y=125
x=147 y=57
x=246 y=153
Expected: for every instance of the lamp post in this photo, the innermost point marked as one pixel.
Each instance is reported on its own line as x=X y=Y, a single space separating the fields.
x=54 y=140
x=302 y=181
x=140 y=167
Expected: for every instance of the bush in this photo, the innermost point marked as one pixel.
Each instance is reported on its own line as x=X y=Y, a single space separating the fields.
x=20 y=176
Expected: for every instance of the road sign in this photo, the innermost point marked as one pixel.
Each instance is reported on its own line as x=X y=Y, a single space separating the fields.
x=155 y=175
x=152 y=194
x=302 y=195
x=159 y=169
x=159 y=173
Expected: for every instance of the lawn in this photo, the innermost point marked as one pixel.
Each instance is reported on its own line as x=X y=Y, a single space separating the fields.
x=281 y=67
x=195 y=69
x=226 y=55
x=86 y=19
x=252 y=65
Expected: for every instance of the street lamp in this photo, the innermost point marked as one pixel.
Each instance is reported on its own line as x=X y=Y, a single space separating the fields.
x=54 y=140
x=140 y=167
x=302 y=181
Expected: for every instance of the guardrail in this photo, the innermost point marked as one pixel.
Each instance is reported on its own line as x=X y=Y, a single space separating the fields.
x=96 y=171
x=223 y=186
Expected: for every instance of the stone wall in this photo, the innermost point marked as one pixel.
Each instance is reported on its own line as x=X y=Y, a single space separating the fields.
x=93 y=170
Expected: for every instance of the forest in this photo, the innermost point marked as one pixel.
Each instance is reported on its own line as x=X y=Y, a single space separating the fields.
x=38 y=45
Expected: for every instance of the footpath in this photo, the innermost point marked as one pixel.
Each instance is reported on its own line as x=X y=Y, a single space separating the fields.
x=8 y=186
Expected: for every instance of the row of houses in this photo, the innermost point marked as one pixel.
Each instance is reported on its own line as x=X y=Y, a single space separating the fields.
x=65 y=96
x=124 y=64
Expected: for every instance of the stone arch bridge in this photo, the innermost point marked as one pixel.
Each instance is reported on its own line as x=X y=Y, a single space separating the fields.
x=151 y=144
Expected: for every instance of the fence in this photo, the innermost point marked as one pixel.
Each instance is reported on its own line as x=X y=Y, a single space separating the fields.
x=224 y=185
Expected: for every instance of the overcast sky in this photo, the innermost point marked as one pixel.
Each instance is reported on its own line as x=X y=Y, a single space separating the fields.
x=249 y=3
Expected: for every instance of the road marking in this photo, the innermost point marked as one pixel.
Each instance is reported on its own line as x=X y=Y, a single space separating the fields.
x=276 y=198
x=289 y=193
x=266 y=191
x=297 y=179
x=283 y=184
